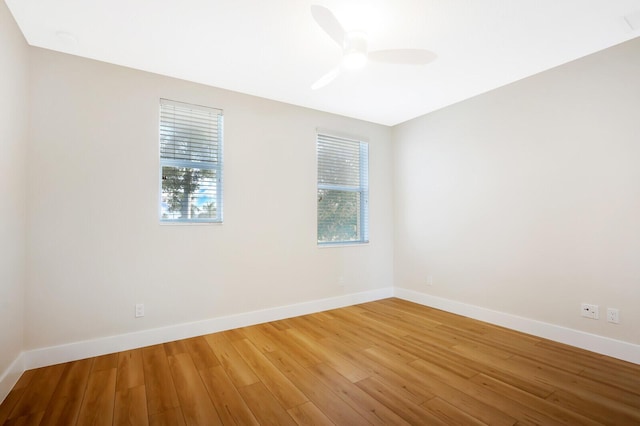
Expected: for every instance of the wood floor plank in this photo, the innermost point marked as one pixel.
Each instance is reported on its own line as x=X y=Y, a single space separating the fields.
x=229 y=404
x=504 y=342
x=309 y=414
x=410 y=350
x=449 y=414
x=234 y=365
x=264 y=406
x=582 y=386
x=175 y=347
x=271 y=332
x=415 y=321
x=480 y=391
x=105 y=362
x=234 y=334
x=131 y=407
x=348 y=335
x=441 y=386
x=409 y=385
x=622 y=378
x=309 y=326
x=287 y=394
x=437 y=337
x=280 y=325
x=331 y=404
x=303 y=355
x=201 y=353
x=159 y=387
x=170 y=417
x=430 y=386
x=397 y=346
x=260 y=340
x=408 y=410
x=393 y=355
x=328 y=355
x=525 y=348
x=503 y=370
x=98 y=403
x=513 y=376
x=604 y=408
x=64 y=407
x=369 y=324
x=397 y=326
x=9 y=403
x=15 y=394
x=346 y=348
x=582 y=359
x=324 y=327
x=25 y=379
x=443 y=357
x=130 y=370
x=480 y=353
x=32 y=419
x=368 y=407
x=537 y=408
x=197 y=408
x=39 y=391
x=323 y=316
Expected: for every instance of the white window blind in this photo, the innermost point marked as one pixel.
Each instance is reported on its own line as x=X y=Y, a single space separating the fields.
x=190 y=162
x=343 y=190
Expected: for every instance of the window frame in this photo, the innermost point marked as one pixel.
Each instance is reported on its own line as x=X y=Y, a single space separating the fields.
x=362 y=219
x=217 y=166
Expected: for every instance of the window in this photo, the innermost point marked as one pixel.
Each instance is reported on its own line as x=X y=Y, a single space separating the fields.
x=343 y=190
x=190 y=163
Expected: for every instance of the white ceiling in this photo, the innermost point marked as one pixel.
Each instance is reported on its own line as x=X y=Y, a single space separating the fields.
x=274 y=48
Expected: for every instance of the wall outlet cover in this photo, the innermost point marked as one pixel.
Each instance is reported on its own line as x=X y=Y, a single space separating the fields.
x=590 y=311
x=139 y=310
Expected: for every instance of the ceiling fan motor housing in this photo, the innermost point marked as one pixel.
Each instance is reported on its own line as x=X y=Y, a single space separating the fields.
x=354 y=49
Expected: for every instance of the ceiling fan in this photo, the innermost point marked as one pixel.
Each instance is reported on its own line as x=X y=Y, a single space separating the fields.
x=354 y=48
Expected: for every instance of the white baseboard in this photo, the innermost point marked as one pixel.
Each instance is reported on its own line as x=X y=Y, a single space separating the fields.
x=10 y=376
x=614 y=348
x=106 y=345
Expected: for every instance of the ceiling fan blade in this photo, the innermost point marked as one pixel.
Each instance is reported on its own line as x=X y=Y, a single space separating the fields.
x=328 y=22
x=326 y=79
x=403 y=56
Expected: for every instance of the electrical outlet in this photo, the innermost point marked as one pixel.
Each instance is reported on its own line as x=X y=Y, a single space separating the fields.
x=590 y=311
x=613 y=315
x=139 y=310
x=430 y=280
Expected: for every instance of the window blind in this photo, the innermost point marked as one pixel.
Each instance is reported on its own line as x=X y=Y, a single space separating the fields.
x=189 y=132
x=343 y=190
x=191 y=162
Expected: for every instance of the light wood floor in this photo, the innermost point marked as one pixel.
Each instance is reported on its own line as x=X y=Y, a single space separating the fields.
x=384 y=362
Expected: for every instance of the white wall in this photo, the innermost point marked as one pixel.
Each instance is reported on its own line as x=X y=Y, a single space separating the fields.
x=96 y=247
x=14 y=91
x=526 y=200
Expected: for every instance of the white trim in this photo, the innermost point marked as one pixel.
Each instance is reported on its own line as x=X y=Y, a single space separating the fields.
x=340 y=135
x=603 y=345
x=10 y=376
x=89 y=348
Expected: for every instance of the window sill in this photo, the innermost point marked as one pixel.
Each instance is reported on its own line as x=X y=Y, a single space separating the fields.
x=190 y=223
x=347 y=244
